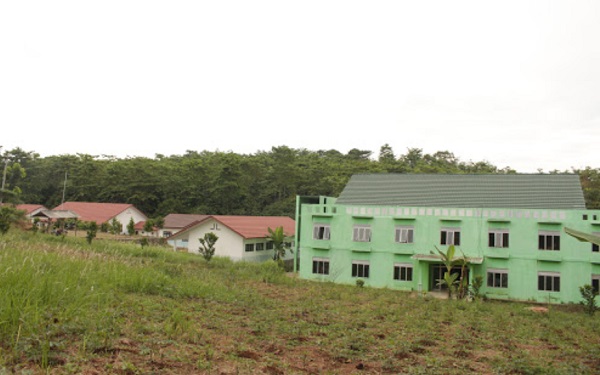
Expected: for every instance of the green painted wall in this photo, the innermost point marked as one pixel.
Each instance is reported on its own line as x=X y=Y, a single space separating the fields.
x=522 y=260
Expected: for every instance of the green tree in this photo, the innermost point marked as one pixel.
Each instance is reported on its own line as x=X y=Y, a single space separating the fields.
x=104 y=227
x=9 y=215
x=131 y=227
x=590 y=183
x=207 y=245
x=412 y=159
x=11 y=173
x=588 y=293
x=159 y=222
x=149 y=226
x=92 y=229
x=277 y=236
x=115 y=226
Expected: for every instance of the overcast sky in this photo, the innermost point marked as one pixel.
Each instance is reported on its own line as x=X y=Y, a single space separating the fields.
x=515 y=83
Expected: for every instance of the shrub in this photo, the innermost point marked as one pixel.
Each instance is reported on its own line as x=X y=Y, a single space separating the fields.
x=207 y=245
x=475 y=286
x=588 y=293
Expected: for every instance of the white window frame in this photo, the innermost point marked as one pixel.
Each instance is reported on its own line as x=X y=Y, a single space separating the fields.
x=361 y=233
x=321 y=231
x=450 y=236
x=323 y=270
x=256 y=246
x=404 y=234
x=503 y=282
x=405 y=267
x=553 y=275
x=555 y=246
x=247 y=246
x=499 y=238
x=361 y=269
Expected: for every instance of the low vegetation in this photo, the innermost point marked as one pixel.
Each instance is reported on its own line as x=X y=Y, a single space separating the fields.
x=69 y=307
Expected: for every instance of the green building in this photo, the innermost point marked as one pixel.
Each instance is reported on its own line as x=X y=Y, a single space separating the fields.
x=385 y=229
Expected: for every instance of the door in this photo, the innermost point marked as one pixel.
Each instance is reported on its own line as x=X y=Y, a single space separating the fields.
x=437 y=271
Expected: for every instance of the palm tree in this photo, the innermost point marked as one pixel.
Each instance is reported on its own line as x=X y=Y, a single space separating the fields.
x=278 y=238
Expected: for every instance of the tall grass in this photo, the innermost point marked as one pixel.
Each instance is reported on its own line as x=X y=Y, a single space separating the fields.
x=62 y=300
x=53 y=287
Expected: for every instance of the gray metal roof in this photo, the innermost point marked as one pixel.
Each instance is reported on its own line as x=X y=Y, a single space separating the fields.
x=57 y=214
x=542 y=191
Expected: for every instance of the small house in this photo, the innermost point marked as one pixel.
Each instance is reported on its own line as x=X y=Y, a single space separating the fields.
x=239 y=237
x=104 y=212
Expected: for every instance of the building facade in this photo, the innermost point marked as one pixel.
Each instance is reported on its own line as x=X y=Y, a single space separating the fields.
x=239 y=237
x=386 y=230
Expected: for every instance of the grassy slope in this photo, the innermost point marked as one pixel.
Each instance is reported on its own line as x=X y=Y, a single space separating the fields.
x=68 y=307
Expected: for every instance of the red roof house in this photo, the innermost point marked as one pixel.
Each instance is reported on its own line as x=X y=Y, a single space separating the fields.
x=105 y=212
x=240 y=237
x=30 y=209
x=175 y=222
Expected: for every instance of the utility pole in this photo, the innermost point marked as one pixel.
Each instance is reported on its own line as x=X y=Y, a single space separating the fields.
x=3 y=180
x=64 y=188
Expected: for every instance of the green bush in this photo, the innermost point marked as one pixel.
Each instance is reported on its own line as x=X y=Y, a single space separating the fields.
x=588 y=293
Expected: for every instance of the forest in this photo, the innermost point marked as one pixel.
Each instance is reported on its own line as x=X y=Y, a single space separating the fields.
x=220 y=183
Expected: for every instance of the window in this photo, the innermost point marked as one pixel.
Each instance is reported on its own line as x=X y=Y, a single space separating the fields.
x=595 y=248
x=404 y=234
x=403 y=272
x=549 y=241
x=167 y=233
x=498 y=238
x=360 y=269
x=585 y=217
x=361 y=233
x=249 y=247
x=260 y=246
x=549 y=281
x=320 y=266
x=321 y=232
x=596 y=283
x=450 y=236
x=270 y=245
x=497 y=278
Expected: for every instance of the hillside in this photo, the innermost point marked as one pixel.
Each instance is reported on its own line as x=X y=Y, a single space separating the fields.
x=67 y=307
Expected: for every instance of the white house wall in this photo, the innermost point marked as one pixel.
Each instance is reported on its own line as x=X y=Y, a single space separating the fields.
x=126 y=215
x=169 y=231
x=262 y=255
x=166 y=232
x=230 y=244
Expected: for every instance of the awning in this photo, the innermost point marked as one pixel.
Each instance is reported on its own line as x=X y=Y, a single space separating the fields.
x=438 y=258
x=583 y=237
x=57 y=214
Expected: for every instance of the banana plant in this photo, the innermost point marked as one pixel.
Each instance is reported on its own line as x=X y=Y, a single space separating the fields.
x=455 y=282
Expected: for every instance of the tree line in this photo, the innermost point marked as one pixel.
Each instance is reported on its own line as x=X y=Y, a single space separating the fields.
x=224 y=183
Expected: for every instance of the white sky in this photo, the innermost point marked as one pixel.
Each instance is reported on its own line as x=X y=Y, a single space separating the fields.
x=515 y=83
